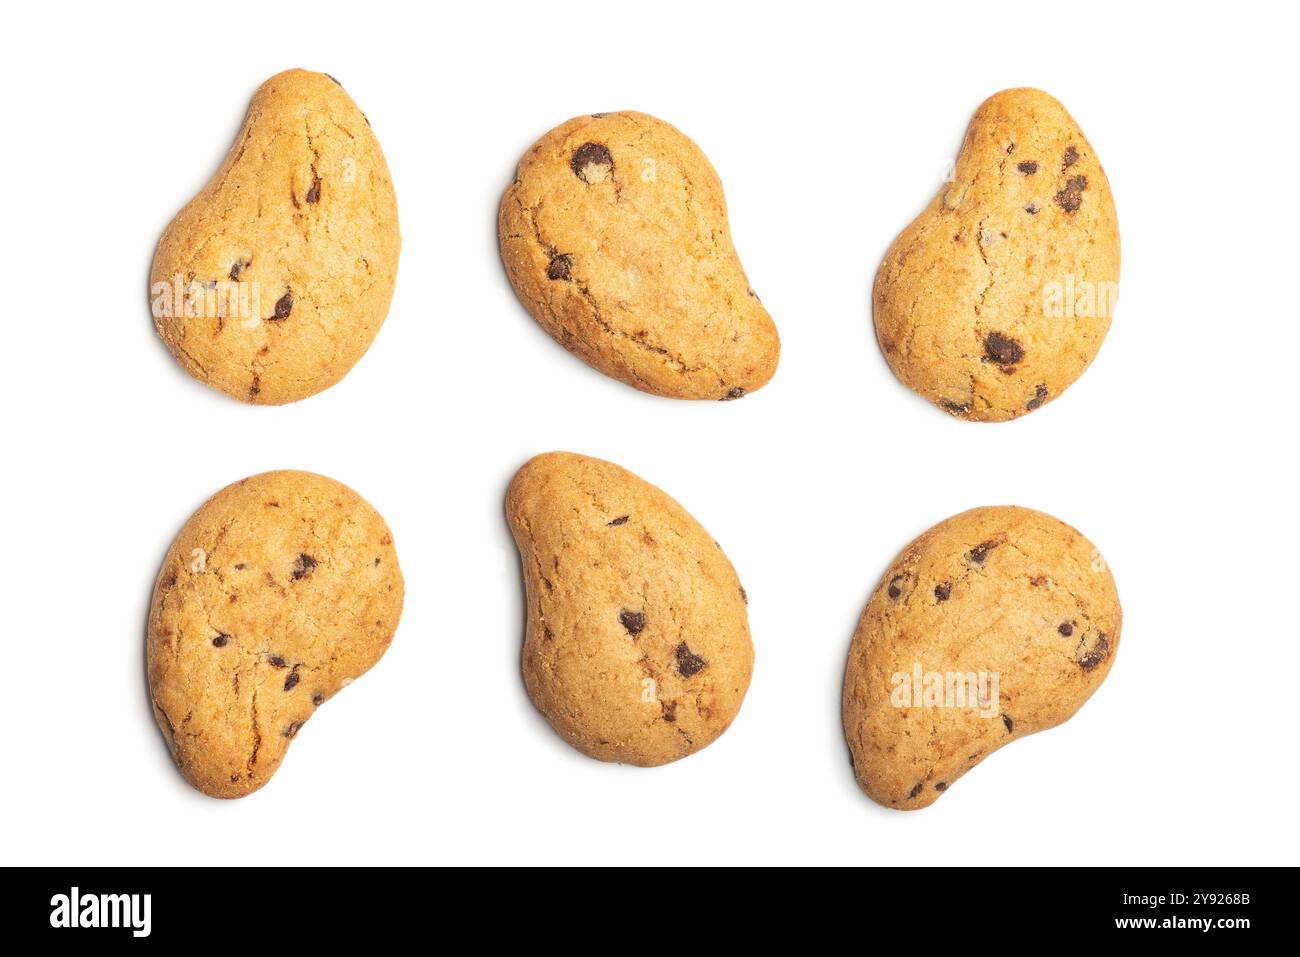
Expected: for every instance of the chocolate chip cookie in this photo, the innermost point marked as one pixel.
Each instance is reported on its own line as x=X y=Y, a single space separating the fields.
x=637 y=646
x=614 y=235
x=994 y=624
x=278 y=592
x=998 y=296
x=273 y=281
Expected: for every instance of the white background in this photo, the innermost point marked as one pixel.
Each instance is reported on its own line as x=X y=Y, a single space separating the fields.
x=831 y=127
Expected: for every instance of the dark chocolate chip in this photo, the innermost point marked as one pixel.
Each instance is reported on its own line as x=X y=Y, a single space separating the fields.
x=559 y=267
x=290 y=680
x=290 y=731
x=1070 y=158
x=1002 y=349
x=278 y=662
x=894 y=589
x=318 y=698
x=943 y=592
x=303 y=567
x=589 y=154
x=916 y=791
x=1066 y=628
x=1098 y=654
x=633 y=621
x=238 y=268
x=1071 y=198
x=221 y=640
x=941 y=786
x=734 y=393
x=621 y=520
x=670 y=710
x=980 y=552
x=313 y=194
x=1040 y=396
x=283 y=306
x=240 y=567
x=1011 y=725
x=956 y=408
x=1032 y=209
x=688 y=663
x=1028 y=167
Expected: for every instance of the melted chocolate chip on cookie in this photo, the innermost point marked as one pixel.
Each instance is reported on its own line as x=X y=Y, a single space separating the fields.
x=688 y=663
x=559 y=267
x=303 y=567
x=1002 y=349
x=283 y=307
x=591 y=162
x=1071 y=197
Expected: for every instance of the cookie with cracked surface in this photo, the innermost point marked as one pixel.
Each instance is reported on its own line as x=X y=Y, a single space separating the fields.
x=273 y=281
x=992 y=625
x=614 y=236
x=998 y=296
x=279 y=591
x=637 y=644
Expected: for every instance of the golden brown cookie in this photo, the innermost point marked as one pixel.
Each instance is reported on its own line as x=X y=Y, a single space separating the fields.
x=279 y=591
x=994 y=624
x=997 y=297
x=637 y=646
x=614 y=235
x=273 y=281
